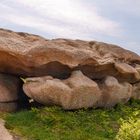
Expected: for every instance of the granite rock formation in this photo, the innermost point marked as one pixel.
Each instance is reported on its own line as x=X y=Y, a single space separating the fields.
x=76 y=92
x=70 y=73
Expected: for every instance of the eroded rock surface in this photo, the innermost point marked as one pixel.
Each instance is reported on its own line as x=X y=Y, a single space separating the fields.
x=4 y=133
x=30 y=55
x=78 y=91
x=70 y=73
x=114 y=92
x=9 y=92
x=136 y=91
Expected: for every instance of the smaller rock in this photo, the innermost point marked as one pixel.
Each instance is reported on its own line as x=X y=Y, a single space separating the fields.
x=4 y=134
x=114 y=92
x=76 y=92
x=9 y=107
x=136 y=91
x=9 y=92
x=9 y=88
x=47 y=91
x=137 y=67
x=127 y=72
x=85 y=92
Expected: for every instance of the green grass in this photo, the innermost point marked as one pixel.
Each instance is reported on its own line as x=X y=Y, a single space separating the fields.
x=53 y=123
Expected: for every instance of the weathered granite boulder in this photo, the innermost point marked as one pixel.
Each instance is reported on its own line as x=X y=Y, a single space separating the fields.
x=31 y=55
x=9 y=92
x=70 y=73
x=78 y=91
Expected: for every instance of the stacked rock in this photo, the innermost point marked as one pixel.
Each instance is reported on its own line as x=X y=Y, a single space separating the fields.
x=70 y=73
x=9 y=92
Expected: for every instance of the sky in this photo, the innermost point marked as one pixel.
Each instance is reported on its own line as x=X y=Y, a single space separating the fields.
x=110 y=21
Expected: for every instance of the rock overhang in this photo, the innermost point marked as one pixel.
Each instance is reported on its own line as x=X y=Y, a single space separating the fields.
x=28 y=55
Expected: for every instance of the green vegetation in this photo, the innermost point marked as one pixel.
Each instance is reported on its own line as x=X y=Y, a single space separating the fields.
x=53 y=123
x=130 y=130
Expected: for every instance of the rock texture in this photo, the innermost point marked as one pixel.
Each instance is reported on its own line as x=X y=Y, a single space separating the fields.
x=114 y=92
x=30 y=55
x=136 y=91
x=9 y=92
x=78 y=91
x=70 y=73
x=4 y=134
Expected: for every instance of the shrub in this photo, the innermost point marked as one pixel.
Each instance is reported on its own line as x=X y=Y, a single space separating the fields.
x=129 y=130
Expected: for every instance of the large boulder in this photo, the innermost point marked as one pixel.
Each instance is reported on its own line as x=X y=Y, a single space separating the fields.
x=9 y=92
x=31 y=55
x=78 y=91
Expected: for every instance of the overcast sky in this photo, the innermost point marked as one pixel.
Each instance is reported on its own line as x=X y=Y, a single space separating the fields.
x=111 y=21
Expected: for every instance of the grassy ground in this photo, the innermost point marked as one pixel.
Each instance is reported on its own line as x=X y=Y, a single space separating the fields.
x=53 y=123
